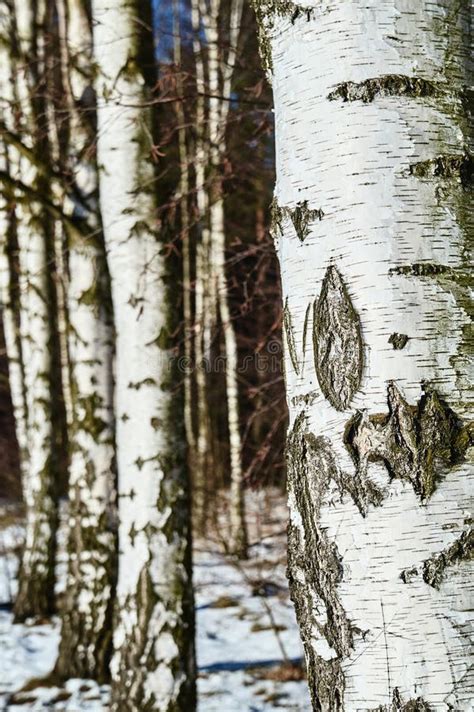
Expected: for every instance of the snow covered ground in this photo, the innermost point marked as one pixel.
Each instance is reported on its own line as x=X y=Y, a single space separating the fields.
x=248 y=647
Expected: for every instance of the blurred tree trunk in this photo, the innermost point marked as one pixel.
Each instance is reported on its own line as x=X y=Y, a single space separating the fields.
x=372 y=219
x=10 y=295
x=205 y=308
x=10 y=481
x=37 y=319
x=220 y=71
x=86 y=633
x=153 y=667
x=183 y=198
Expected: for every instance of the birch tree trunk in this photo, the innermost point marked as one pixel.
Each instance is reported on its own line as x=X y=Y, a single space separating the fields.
x=10 y=295
x=205 y=306
x=372 y=222
x=220 y=70
x=194 y=462
x=86 y=632
x=36 y=260
x=153 y=664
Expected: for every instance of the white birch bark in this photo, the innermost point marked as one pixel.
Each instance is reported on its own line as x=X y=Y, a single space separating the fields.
x=220 y=71
x=34 y=232
x=205 y=304
x=9 y=288
x=183 y=198
x=86 y=632
x=153 y=664
x=374 y=176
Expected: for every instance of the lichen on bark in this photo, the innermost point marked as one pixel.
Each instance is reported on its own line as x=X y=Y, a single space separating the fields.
x=410 y=440
x=338 y=352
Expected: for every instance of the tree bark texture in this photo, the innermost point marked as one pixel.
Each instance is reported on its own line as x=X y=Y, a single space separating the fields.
x=153 y=662
x=86 y=633
x=373 y=228
x=35 y=233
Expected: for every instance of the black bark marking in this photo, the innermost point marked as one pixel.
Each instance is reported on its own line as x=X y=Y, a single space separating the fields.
x=458 y=167
x=305 y=329
x=314 y=566
x=385 y=85
x=140 y=384
x=409 y=440
x=398 y=341
x=314 y=563
x=290 y=337
x=398 y=705
x=420 y=269
x=461 y=550
x=337 y=342
x=433 y=569
x=301 y=216
x=305 y=398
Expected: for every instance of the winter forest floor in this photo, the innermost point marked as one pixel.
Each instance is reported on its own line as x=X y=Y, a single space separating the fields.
x=248 y=646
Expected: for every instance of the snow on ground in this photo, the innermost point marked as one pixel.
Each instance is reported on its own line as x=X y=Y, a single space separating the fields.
x=248 y=647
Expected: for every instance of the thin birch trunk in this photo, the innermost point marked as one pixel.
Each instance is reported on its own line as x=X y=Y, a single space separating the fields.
x=372 y=221
x=183 y=197
x=86 y=633
x=205 y=307
x=153 y=664
x=35 y=235
x=220 y=70
x=10 y=295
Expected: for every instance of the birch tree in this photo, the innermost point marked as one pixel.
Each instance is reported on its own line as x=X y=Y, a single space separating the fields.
x=9 y=268
x=204 y=315
x=33 y=344
x=220 y=70
x=153 y=663
x=373 y=228
x=86 y=632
